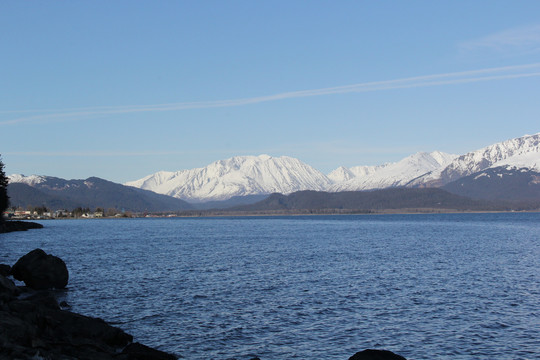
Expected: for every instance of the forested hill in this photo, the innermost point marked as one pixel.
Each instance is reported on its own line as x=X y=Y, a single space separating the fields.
x=387 y=199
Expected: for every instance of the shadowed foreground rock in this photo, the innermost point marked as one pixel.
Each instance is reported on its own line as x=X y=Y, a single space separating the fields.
x=376 y=355
x=41 y=271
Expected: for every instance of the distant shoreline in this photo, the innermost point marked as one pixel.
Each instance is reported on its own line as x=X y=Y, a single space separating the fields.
x=292 y=213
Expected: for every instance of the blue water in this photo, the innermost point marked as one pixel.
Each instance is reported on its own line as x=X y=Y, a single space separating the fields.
x=454 y=286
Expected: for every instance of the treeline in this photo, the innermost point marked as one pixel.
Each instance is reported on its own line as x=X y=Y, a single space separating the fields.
x=4 y=199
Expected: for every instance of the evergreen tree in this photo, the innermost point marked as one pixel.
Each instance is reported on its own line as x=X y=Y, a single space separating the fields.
x=4 y=199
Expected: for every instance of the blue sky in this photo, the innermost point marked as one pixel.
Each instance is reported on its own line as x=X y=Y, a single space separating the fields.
x=122 y=89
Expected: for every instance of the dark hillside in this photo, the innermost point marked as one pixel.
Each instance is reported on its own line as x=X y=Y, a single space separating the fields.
x=93 y=192
x=397 y=198
x=501 y=183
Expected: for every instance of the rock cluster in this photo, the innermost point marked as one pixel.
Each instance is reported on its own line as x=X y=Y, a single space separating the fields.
x=33 y=326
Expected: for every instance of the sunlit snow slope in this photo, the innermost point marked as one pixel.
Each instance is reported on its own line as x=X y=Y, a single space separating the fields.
x=389 y=175
x=522 y=152
x=237 y=176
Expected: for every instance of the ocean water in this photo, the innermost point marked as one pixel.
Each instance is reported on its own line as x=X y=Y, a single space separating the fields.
x=440 y=286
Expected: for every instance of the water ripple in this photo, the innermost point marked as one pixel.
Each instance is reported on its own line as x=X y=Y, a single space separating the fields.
x=425 y=286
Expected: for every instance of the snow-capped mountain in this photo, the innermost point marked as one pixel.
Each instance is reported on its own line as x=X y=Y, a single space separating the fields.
x=256 y=175
x=388 y=175
x=522 y=152
x=261 y=175
x=237 y=176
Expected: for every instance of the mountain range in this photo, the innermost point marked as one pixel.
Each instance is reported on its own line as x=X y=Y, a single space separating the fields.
x=509 y=170
x=256 y=175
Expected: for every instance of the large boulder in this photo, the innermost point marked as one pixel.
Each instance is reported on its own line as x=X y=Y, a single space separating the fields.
x=370 y=354
x=41 y=271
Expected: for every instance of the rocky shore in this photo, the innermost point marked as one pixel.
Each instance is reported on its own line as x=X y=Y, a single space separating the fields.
x=33 y=325
x=16 y=225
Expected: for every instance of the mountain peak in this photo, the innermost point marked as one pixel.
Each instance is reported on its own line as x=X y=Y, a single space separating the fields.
x=237 y=176
x=391 y=174
x=264 y=157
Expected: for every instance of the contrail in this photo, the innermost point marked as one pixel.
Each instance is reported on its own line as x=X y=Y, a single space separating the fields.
x=93 y=153
x=489 y=74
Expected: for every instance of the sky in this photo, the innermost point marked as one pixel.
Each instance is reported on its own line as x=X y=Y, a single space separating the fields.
x=123 y=89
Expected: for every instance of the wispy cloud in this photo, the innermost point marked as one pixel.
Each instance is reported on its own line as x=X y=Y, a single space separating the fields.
x=93 y=153
x=515 y=41
x=488 y=74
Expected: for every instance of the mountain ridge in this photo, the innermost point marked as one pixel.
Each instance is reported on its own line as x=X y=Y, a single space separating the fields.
x=523 y=151
x=236 y=176
x=227 y=178
x=244 y=176
x=392 y=174
x=56 y=193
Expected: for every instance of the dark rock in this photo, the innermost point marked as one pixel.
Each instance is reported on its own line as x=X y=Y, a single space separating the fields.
x=5 y=269
x=85 y=329
x=136 y=351
x=36 y=324
x=370 y=354
x=8 y=290
x=41 y=271
x=45 y=298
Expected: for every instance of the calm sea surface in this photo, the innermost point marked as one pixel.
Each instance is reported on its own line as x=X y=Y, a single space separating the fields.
x=455 y=286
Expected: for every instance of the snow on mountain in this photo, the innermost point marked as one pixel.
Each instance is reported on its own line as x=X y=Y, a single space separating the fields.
x=523 y=152
x=49 y=182
x=389 y=175
x=237 y=176
x=31 y=180
x=529 y=160
x=341 y=174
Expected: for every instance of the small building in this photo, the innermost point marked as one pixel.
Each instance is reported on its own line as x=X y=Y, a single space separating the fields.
x=61 y=213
